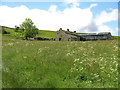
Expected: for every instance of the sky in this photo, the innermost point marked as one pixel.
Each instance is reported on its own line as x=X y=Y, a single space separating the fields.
x=82 y=17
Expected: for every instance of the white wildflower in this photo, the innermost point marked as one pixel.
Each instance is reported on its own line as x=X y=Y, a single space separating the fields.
x=81 y=69
x=10 y=44
x=26 y=44
x=46 y=47
x=24 y=57
x=99 y=80
x=68 y=54
x=76 y=60
x=81 y=62
x=108 y=75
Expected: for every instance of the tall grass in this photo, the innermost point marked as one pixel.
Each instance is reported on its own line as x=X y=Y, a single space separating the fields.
x=54 y=64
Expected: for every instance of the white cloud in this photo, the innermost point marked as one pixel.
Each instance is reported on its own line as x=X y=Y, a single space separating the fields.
x=107 y=17
x=53 y=8
x=93 y=5
x=116 y=29
x=73 y=2
x=104 y=28
x=74 y=18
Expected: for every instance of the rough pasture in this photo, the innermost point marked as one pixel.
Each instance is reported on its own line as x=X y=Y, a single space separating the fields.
x=54 y=64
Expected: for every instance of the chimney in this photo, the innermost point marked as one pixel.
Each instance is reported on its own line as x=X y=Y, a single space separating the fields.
x=67 y=29
x=74 y=31
x=60 y=29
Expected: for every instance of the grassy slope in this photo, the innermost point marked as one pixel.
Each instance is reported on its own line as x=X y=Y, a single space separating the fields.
x=41 y=33
x=12 y=32
x=54 y=64
x=44 y=33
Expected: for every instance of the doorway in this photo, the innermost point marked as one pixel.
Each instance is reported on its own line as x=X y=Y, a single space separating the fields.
x=59 y=39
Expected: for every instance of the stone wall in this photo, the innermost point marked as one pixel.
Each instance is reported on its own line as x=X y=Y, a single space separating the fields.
x=62 y=36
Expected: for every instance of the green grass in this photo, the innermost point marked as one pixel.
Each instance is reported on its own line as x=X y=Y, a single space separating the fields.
x=116 y=37
x=12 y=32
x=54 y=64
x=46 y=34
x=41 y=33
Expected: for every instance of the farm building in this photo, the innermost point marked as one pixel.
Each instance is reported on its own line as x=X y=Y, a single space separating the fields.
x=62 y=35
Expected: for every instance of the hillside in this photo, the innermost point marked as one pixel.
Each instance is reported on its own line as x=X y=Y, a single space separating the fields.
x=43 y=33
x=46 y=34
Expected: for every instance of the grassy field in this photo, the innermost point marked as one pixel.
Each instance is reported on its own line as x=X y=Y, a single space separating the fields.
x=58 y=64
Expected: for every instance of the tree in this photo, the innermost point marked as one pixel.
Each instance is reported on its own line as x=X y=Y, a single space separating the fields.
x=28 y=29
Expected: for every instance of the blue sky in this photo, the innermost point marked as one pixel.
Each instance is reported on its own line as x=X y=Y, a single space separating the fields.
x=107 y=7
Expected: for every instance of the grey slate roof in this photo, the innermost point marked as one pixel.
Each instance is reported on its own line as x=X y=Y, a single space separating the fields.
x=75 y=34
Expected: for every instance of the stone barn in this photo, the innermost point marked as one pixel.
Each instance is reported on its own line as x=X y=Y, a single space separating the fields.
x=62 y=35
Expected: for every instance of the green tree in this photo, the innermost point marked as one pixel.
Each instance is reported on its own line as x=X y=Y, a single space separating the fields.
x=28 y=29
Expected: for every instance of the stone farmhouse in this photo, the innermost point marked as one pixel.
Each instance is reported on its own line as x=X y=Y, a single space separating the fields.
x=62 y=35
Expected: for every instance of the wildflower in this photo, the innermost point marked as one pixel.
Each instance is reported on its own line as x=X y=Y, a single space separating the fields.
x=114 y=58
x=83 y=42
x=99 y=80
x=81 y=62
x=117 y=65
x=114 y=62
x=5 y=69
x=46 y=47
x=26 y=44
x=102 y=68
x=12 y=39
x=76 y=60
x=96 y=75
x=24 y=57
x=17 y=42
x=108 y=75
x=10 y=44
x=68 y=54
x=81 y=69
x=76 y=69
x=67 y=45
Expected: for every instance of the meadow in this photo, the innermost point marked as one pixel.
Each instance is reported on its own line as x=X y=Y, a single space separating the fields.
x=59 y=64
